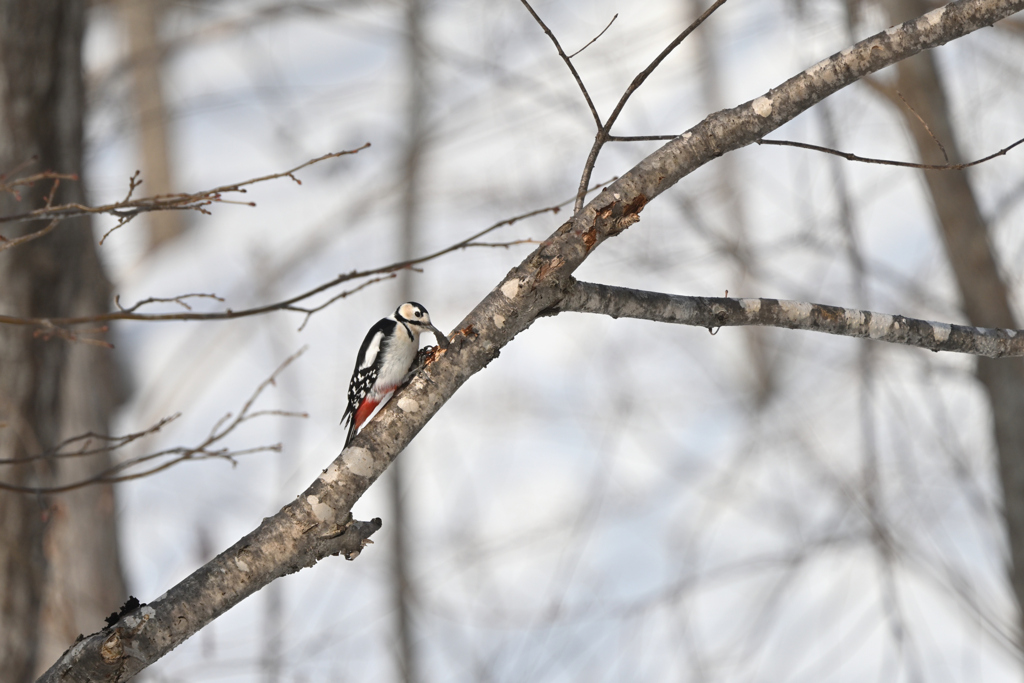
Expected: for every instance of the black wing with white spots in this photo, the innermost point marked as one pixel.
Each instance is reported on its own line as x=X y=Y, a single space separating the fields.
x=366 y=372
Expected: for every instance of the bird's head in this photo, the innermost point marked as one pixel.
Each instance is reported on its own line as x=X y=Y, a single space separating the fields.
x=415 y=315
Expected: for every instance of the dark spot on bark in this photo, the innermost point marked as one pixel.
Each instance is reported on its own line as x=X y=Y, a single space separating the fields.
x=130 y=605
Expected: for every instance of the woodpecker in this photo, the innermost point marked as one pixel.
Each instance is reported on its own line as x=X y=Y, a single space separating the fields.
x=384 y=359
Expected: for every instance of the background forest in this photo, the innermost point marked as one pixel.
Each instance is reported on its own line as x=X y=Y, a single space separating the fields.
x=610 y=499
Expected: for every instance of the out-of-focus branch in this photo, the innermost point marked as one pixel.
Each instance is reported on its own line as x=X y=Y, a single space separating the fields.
x=159 y=460
x=129 y=208
x=293 y=537
x=86 y=444
x=56 y=325
x=6 y=244
x=604 y=130
x=890 y=162
x=716 y=312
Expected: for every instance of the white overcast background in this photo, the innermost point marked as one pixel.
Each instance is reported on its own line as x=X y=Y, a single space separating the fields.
x=607 y=501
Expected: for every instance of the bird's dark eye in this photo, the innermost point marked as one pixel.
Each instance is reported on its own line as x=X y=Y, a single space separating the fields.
x=419 y=314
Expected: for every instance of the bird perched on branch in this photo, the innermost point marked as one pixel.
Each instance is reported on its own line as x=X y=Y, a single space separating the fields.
x=385 y=358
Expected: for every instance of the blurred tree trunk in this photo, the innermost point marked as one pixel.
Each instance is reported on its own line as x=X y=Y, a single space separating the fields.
x=728 y=195
x=403 y=589
x=59 y=566
x=141 y=20
x=984 y=295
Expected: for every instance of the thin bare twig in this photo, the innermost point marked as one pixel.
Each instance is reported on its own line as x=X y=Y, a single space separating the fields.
x=604 y=131
x=287 y=304
x=129 y=208
x=165 y=458
x=310 y=311
x=568 y=63
x=594 y=39
x=929 y=130
x=18 y=241
x=111 y=443
x=174 y=299
x=639 y=138
x=890 y=162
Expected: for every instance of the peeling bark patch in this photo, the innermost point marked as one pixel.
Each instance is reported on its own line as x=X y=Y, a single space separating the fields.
x=751 y=306
x=879 y=325
x=589 y=240
x=408 y=405
x=853 y=318
x=359 y=461
x=940 y=331
x=112 y=650
x=241 y=564
x=1011 y=333
x=553 y=264
x=510 y=289
x=624 y=223
x=499 y=321
x=795 y=310
x=322 y=512
x=763 y=107
x=636 y=206
x=469 y=331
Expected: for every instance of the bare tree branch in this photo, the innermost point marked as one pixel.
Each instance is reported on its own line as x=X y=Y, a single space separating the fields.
x=568 y=63
x=715 y=312
x=594 y=39
x=56 y=325
x=128 y=208
x=604 y=131
x=160 y=460
x=295 y=536
x=890 y=162
x=6 y=244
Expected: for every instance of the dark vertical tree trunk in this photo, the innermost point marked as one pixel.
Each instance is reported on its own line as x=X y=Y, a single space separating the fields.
x=59 y=566
x=984 y=295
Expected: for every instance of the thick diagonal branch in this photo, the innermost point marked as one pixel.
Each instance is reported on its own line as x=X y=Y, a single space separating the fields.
x=536 y=285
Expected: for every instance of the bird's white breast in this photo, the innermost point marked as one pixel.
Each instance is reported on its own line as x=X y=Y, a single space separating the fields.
x=398 y=358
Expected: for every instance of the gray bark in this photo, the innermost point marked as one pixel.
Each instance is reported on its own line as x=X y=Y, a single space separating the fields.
x=714 y=312
x=294 y=536
x=59 y=566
